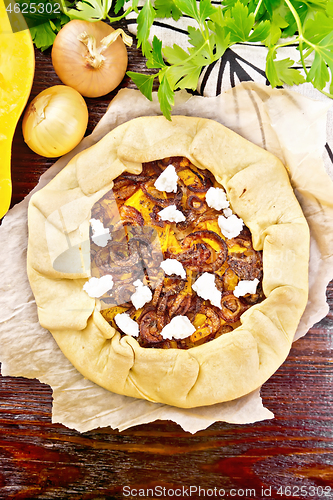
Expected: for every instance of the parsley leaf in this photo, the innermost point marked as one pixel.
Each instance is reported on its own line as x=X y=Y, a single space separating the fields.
x=165 y=96
x=43 y=35
x=308 y=24
x=119 y=5
x=145 y=20
x=175 y=54
x=278 y=23
x=279 y=71
x=44 y=21
x=155 y=57
x=220 y=39
x=304 y=11
x=206 y=10
x=240 y=23
x=317 y=28
x=190 y=78
x=319 y=74
x=167 y=8
x=143 y=82
x=92 y=10
x=188 y=7
x=271 y=5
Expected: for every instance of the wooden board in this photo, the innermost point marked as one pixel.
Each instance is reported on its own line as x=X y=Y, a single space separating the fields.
x=289 y=456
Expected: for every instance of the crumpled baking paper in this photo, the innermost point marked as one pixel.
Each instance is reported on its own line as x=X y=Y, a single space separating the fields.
x=290 y=126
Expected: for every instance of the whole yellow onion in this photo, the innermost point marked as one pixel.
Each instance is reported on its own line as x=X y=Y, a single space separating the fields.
x=90 y=57
x=55 y=121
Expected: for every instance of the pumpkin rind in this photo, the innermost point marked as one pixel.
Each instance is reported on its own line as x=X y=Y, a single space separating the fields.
x=17 y=66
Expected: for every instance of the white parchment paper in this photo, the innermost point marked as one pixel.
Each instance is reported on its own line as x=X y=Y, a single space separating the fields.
x=288 y=125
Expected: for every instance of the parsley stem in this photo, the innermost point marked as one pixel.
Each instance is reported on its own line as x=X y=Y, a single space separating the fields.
x=326 y=93
x=257 y=8
x=191 y=56
x=115 y=19
x=300 y=37
x=296 y=16
x=207 y=38
x=285 y=44
x=302 y=56
x=64 y=8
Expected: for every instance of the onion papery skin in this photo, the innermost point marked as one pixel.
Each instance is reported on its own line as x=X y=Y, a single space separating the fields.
x=55 y=121
x=69 y=59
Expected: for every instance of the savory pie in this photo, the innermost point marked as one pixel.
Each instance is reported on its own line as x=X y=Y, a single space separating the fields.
x=170 y=261
x=143 y=245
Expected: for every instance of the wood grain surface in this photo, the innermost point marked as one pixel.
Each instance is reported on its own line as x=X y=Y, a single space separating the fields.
x=290 y=456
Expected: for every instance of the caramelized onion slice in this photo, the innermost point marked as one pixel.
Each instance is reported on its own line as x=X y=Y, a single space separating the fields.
x=161 y=198
x=197 y=256
x=229 y=280
x=123 y=255
x=123 y=189
x=247 y=265
x=202 y=182
x=232 y=307
x=155 y=219
x=171 y=286
x=202 y=250
x=128 y=216
x=205 y=233
x=180 y=305
x=210 y=326
x=198 y=205
x=149 y=331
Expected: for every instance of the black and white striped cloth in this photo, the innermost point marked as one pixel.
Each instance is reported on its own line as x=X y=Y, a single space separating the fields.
x=242 y=62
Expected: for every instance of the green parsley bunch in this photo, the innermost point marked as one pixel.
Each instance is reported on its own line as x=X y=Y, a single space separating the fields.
x=274 y=23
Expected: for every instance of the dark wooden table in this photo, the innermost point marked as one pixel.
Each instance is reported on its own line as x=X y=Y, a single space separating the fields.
x=290 y=456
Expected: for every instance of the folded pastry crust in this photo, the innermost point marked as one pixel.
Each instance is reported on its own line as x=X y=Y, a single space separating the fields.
x=259 y=191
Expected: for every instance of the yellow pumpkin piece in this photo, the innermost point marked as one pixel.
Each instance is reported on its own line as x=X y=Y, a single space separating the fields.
x=109 y=314
x=145 y=206
x=17 y=65
x=201 y=333
x=214 y=244
x=172 y=344
x=163 y=237
x=136 y=315
x=210 y=225
x=110 y=208
x=236 y=249
x=140 y=201
x=199 y=320
x=172 y=243
x=187 y=176
x=223 y=268
x=188 y=286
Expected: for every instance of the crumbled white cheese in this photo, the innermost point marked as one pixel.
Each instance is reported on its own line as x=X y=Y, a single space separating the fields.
x=173 y=266
x=227 y=212
x=179 y=327
x=101 y=235
x=246 y=286
x=96 y=287
x=142 y=294
x=127 y=324
x=230 y=226
x=206 y=289
x=216 y=198
x=167 y=181
x=171 y=214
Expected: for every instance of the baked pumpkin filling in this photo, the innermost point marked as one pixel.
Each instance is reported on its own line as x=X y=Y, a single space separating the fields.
x=181 y=265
